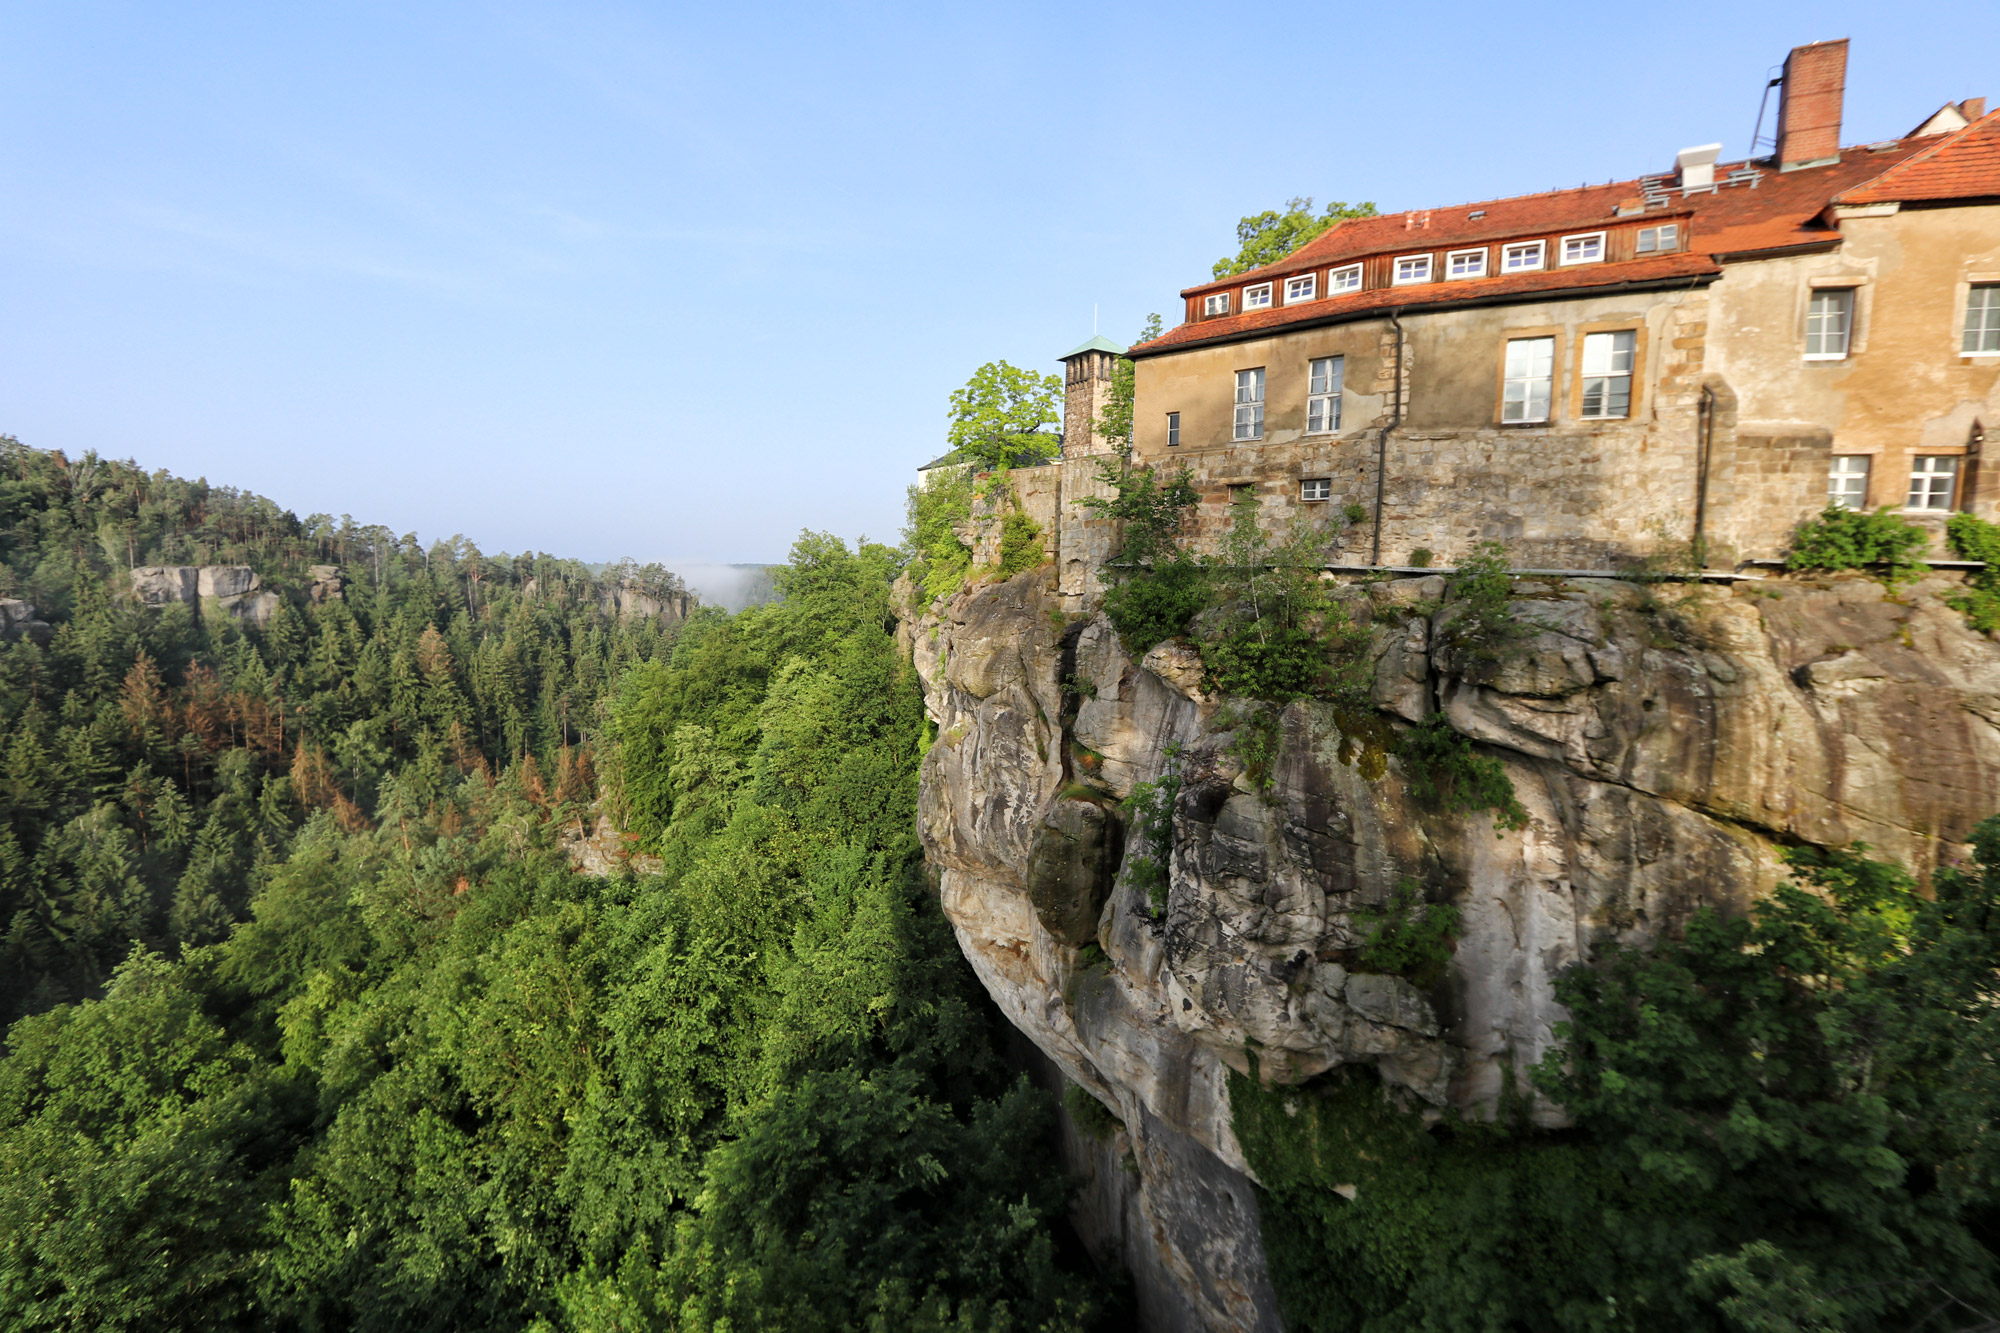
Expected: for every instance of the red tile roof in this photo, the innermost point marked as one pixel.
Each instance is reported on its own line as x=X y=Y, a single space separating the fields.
x=1961 y=165
x=1781 y=211
x=1652 y=269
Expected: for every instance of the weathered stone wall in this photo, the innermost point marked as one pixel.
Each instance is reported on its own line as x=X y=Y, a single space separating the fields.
x=1906 y=386
x=1086 y=386
x=1569 y=491
x=1605 y=493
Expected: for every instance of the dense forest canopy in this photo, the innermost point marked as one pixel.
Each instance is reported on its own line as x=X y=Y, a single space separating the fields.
x=158 y=762
x=320 y=1027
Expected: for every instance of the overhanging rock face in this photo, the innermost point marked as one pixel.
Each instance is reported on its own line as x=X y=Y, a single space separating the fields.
x=1664 y=746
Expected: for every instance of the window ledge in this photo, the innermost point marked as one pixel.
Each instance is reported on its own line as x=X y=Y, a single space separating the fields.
x=1826 y=356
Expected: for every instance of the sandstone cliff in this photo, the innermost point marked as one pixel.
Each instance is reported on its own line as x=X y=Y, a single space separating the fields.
x=1665 y=743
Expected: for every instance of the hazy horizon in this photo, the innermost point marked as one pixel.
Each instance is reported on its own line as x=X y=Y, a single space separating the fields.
x=618 y=278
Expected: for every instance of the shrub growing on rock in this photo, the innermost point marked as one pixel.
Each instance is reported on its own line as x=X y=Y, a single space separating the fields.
x=1855 y=539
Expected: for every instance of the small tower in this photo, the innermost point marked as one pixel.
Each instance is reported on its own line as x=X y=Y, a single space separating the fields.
x=1086 y=389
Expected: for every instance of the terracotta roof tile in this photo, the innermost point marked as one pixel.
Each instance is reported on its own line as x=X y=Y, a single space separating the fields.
x=1782 y=210
x=1660 y=268
x=1961 y=165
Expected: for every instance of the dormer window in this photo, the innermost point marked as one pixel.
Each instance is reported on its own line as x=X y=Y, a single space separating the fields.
x=1257 y=298
x=1466 y=263
x=1659 y=240
x=1216 y=304
x=1524 y=257
x=1301 y=289
x=1412 y=268
x=1346 y=279
x=1585 y=249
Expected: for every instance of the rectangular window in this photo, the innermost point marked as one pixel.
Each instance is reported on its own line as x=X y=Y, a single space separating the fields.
x=1344 y=280
x=1257 y=298
x=1829 y=320
x=1413 y=268
x=1585 y=249
x=1659 y=240
x=1607 y=374
x=1847 y=481
x=1250 y=404
x=1531 y=366
x=1323 y=394
x=1315 y=488
x=1300 y=289
x=1521 y=258
x=1982 y=320
x=1218 y=304
x=1466 y=264
x=1933 y=478
x=1173 y=430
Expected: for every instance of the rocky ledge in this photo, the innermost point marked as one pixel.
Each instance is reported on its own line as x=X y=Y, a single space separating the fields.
x=1664 y=743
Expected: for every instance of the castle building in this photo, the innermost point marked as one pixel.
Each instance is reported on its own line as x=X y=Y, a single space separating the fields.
x=1598 y=374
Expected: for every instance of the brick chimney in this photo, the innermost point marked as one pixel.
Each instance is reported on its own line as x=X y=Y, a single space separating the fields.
x=1809 y=109
x=1972 y=108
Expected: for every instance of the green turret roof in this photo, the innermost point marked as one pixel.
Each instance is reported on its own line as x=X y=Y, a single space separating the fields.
x=1098 y=343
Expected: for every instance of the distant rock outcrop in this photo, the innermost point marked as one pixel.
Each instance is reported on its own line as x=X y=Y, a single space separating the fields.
x=327 y=583
x=626 y=602
x=163 y=585
x=18 y=620
x=231 y=590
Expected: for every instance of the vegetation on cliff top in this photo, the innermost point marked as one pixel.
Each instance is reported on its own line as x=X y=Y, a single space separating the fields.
x=422 y=1073
x=1841 y=538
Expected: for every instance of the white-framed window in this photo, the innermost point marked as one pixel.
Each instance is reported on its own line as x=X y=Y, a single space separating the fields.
x=1173 y=430
x=1466 y=263
x=1412 y=268
x=1982 y=320
x=1216 y=303
x=1344 y=279
x=1587 y=248
x=1829 y=322
x=1258 y=297
x=1250 y=404
x=1522 y=257
x=1847 y=481
x=1312 y=489
x=1323 y=394
x=1607 y=374
x=1303 y=288
x=1933 y=480
x=1659 y=240
x=1530 y=379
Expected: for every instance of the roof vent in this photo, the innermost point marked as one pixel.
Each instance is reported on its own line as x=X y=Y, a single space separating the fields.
x=1697 y=166
x=1476 y=214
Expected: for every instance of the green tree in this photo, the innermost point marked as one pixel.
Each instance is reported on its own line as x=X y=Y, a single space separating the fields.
x=1267 y=237
x=1003 y=416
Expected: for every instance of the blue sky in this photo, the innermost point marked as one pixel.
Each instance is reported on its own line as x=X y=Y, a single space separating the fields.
x=675 y=282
